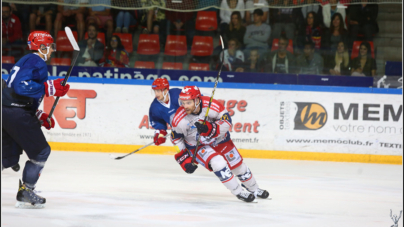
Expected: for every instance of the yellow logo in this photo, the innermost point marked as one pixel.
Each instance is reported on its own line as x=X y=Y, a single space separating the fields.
x=310 y=116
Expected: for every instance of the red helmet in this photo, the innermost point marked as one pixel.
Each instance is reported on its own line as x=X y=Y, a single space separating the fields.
x=190 y=93
x=38 y=38
x=160 y=84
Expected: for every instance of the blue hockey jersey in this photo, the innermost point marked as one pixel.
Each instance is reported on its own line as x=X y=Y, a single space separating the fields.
x=26 y=80
x=160 y=113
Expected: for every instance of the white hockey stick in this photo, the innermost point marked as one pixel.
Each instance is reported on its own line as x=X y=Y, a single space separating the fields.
x=210 y=102
x=121 y=157
x=76 y=52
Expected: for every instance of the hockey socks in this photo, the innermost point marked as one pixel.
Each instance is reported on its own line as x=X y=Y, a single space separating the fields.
x=223 y=172
x=228 y=180
x=245 y=176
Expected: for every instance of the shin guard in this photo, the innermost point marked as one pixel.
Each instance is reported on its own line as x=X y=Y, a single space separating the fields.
x=245 y=176
x=31 y=173
x=223 y=172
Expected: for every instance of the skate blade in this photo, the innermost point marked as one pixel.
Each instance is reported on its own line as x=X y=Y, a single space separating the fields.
x=25 y=205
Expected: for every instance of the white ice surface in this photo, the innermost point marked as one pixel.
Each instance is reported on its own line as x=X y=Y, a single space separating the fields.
x=90 y=189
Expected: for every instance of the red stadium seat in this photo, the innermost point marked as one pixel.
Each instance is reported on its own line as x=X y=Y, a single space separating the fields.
x=8 y=59
x=126 y=40
x=61 y=61
x=144 y=65
x=148 y=44
x=176 y=45
x=356 y=46
x=275 y=45
x=63 y=43
x=206 y=21
x=202 y=46
x=172 y=65
x=199 y=66
x=100 y=37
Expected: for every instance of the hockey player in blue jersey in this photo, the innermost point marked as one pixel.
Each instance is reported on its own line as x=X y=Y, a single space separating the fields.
x=25 y=87
x=163 y=108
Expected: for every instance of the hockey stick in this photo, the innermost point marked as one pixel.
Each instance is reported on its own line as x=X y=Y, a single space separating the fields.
x=121 y=157
x=75 y=56
x=210 y=102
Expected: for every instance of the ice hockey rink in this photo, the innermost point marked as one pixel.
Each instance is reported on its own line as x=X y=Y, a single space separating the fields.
x=90 y=189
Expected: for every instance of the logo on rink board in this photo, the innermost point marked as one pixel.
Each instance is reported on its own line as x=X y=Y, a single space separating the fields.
x=307 y=116
x=310 y=116
x=77 y=100
x=395 y=218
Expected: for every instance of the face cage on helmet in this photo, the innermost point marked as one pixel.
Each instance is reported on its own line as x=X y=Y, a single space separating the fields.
x=196 y=105
x=164 y=95
x=43 y=47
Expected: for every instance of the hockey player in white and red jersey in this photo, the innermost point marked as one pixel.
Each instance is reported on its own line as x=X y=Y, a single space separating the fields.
x=216 y=152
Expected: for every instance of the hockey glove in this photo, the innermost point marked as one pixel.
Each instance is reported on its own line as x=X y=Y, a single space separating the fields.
x=185 y=160
x=160 y=139
x=208 y=130
x=55 y=88
x=42 y=116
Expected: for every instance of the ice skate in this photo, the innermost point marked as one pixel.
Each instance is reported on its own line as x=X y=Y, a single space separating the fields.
x=16 y=167
x=263 y=194
x=26 y=198
x=246 y=196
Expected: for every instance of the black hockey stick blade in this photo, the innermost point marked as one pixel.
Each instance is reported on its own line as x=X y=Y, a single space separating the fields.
x=121 y=157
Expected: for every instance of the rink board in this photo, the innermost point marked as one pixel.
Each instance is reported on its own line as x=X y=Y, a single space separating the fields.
x=280 y=122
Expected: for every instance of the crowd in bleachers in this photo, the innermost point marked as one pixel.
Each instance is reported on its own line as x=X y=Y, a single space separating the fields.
x=328 y=38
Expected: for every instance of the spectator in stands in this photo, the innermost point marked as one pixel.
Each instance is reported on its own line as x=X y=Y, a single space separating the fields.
x=331 y=8
x=312 y=6
x=178 y=23
x=11 y=26
x=101 y=15
x=257 y=34
x=364 y=64
x=281 y=60
x=45 y=13
x=115 y=54
x=256 y=4
x=226 y=9
x=311 y=31
x=124 y=19
x=91 y=50
x=284 y=19
x=22 y=12
x=331 y=37
x=155 y=16
x=236 y=29
x=71 y=15
x=253 y=63
x=339 y=62
x=310 y=62
x=233 y=57
x=362 y=19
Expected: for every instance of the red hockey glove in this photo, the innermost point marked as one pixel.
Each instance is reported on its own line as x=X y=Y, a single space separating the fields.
x=185 y=160
x=55 y=88
x=42 y=116
x=160 y=139
x=209 y=129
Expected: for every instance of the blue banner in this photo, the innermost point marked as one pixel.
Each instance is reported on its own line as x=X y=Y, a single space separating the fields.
x=204 y=76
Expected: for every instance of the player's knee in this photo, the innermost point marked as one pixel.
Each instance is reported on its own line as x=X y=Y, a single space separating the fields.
x=217 y=163
x=240 y=170
x=10 y=161
x=43 y=155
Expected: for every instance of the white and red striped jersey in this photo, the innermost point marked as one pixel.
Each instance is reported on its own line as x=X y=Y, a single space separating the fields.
x=184 y=133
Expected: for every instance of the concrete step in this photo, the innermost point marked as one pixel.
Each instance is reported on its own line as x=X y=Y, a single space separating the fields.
x=389 y=16
x=388 y=26
x=389 y=54
x=389 y=35
x=388 y=42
